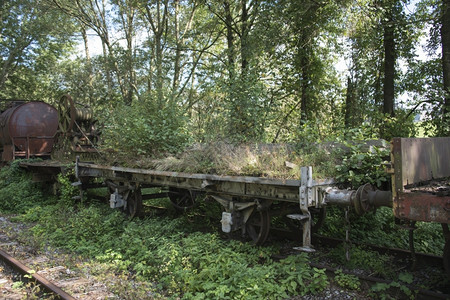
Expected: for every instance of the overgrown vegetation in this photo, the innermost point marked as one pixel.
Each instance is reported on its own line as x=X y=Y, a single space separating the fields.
x=17 y=190
x=363 y=164
x=183 y=257
x=384 y=290
x=379 y=228
x=138 y=129
x=181 y=262
x=346 y=280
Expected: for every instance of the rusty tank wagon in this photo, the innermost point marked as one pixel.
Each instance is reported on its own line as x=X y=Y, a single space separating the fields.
x=34 y=128
x=27 y=129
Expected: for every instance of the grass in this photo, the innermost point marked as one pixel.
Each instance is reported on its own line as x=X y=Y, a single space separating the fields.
x=260 y=160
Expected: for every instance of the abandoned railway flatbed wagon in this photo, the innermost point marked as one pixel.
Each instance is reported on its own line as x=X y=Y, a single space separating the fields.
x=249 y=203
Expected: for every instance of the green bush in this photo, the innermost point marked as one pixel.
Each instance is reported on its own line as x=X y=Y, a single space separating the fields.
x=347 y=281
x=362 y=164
x=143 y=128
x=17 y=190
x=365 y=259
x=66 y=189
x=397 y=289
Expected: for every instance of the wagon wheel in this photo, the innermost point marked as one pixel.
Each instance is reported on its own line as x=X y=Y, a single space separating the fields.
x=134 y=203
x=258 y=226
x=182 y=199
x=66 y=114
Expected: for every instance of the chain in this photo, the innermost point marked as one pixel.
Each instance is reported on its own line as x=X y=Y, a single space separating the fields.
x=347 y=234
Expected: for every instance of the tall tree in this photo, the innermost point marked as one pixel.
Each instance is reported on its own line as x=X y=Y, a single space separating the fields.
x=445 y=40
x=383 y=36
x=305 y=45
x=238 y=18
x=30 y=29
x=389 y=57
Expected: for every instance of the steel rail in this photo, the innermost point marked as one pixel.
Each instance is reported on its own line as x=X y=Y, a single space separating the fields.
x=424 y=294
x=41 y=280
x=422 y=258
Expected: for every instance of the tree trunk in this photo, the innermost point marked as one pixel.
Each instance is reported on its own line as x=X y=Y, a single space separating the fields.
x=177 y=67
x=107 y=69
x=86 y=47
x=304 y=76
x=88 y=61
x=350 y=105
x=304 y=92
x=127 y=15
x=389 y=67
x=158 y=26
x=445 y=37
x=244 y=37
x=230 y=40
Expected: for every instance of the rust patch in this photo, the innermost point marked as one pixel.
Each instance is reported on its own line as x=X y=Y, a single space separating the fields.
x=425 y=207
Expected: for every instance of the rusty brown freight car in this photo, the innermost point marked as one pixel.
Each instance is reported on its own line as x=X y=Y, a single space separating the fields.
x=28 y=129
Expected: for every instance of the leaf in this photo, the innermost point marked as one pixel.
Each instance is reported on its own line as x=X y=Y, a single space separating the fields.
x=406 y=277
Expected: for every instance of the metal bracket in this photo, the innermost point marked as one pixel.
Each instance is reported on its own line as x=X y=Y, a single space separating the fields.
x=236 y=213
x=116 y=200
x=306 y=200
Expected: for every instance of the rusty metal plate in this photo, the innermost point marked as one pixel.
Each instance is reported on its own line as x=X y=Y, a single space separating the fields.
x=420 y=159
x=425 y=207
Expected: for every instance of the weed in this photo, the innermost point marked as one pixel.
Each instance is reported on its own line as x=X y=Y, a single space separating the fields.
x=67 y=190
x=18 y=285
x=362 y=164
x=182 y=262
x=347 y=281
x=364 y=259
x=394 y=290
x=17 y=190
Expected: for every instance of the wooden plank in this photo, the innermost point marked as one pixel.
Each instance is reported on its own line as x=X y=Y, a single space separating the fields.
x=422 y=159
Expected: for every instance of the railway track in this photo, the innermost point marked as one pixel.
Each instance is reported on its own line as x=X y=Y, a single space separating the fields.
x=24 y=270
x=417 y=264
x=421 y=259
x=414 y=262
x=79 y=277
x=370 y=281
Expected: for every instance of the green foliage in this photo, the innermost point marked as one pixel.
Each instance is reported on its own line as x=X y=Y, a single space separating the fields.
x=400 y=125
x=362 y=164
x=365 y=259
x=347 y=281
x=66 y=189
x=379 y=228
x=244 y=122
x=394 y=290
x=34 y=37
x=145 y=128
x=183 y=263
x=17 y=190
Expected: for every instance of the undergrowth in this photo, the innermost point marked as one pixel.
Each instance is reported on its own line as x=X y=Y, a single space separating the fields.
x=17 y=190
x=379 y=228
x=182 y=263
